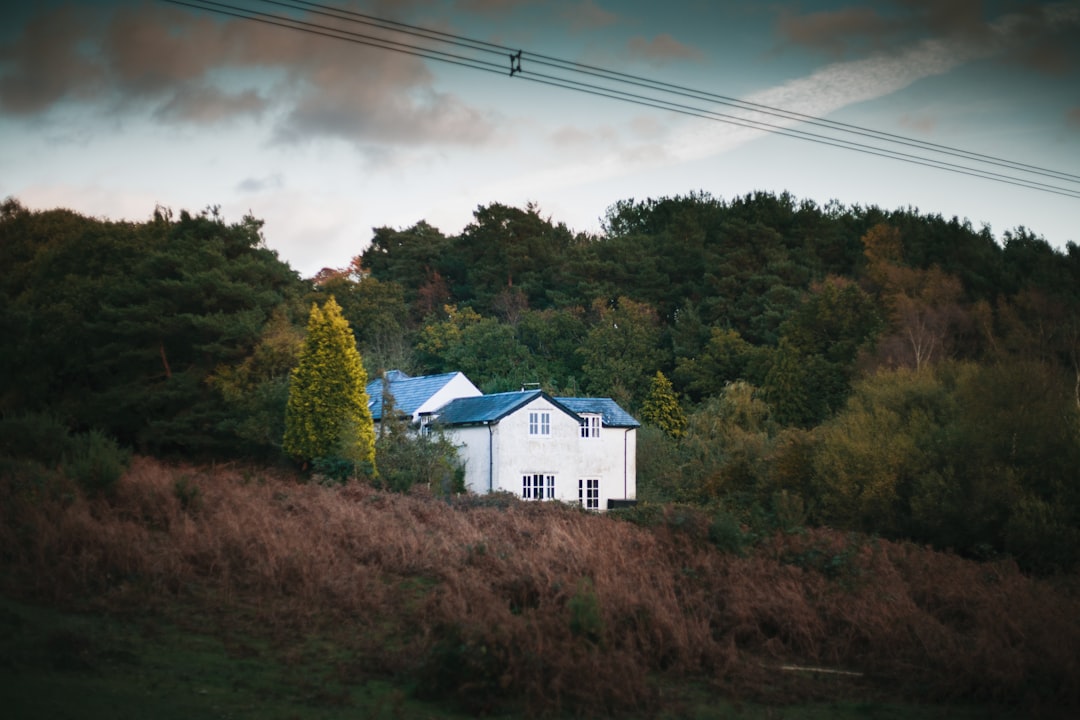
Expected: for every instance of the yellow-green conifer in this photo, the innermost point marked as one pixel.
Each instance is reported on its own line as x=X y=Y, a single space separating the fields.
x=661 y=408
x=327 y=416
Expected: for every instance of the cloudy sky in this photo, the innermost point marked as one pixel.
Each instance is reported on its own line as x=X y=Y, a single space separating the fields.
x=113 y=107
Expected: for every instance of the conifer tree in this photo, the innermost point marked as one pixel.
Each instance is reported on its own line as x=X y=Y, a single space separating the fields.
x=661 y=408
x=327 y=418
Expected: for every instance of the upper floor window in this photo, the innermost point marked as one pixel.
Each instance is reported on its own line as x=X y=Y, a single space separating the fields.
x=590 y=426
x=540 y=423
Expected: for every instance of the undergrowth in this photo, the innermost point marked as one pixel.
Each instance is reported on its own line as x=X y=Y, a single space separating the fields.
x=497 y=603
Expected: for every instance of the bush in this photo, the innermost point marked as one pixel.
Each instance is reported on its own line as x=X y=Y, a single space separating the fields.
x=35 y=445
x=95 y=461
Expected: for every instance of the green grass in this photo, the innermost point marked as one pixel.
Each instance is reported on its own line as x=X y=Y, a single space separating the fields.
x=63 y=665
x=58 y=665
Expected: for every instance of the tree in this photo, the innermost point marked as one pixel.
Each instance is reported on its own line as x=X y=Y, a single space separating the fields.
x=327 y=416
x=119 y=325
x=621 y=350
x=661 y=407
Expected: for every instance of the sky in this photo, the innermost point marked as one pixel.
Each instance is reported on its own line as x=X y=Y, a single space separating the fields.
x=114 y=107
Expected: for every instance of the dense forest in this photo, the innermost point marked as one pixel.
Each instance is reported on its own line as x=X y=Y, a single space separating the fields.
x=889 y=372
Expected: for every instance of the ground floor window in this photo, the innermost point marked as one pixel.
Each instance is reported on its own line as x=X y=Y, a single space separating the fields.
x=538 y=486
x=588 y=492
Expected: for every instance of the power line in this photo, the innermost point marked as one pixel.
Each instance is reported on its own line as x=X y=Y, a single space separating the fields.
x=680 y=90
x=636 y=80
x=515 y=69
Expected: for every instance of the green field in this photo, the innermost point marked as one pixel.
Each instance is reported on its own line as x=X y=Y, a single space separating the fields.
x=61 y=665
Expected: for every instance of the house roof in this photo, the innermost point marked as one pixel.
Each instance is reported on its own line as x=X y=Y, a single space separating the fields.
x=409 y=392
x=492 y=408
x=611 y=414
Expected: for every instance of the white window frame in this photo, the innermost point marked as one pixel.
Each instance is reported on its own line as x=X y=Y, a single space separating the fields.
x=588 y=491
x=590 y=426
x=537 y=486
x=539 y=423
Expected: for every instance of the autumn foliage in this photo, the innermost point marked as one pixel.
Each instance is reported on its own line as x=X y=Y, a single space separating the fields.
x=489 y=601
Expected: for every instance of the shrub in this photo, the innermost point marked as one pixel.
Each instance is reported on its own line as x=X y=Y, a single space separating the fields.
x=586 y=620
x=95 y=461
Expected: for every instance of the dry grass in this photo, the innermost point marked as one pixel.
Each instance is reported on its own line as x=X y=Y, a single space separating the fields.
x=486 y=601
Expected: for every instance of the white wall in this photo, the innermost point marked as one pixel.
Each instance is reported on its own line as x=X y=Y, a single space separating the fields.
x=459 y=386
x=523 y=454
x=611 y=458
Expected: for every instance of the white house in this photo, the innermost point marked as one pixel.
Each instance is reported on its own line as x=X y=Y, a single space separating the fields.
x=545 y=448
x=529 y=443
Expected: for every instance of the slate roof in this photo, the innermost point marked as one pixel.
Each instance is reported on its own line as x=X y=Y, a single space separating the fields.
x=409 y=392
x=492 y=408
x=611 y=414
x=484 y=408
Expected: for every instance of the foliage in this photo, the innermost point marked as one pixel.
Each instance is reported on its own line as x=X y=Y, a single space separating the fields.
x=661 y=407
x=935 y=456
x=622 y=350
x=395 y=585
x=257 y=388
x=407 y=457
x=327 y=417
x=118 y=325
x=39 y=443
x=177 y=336
x=95 y=461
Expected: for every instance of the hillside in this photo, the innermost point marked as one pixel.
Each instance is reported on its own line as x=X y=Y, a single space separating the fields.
x=492 y=604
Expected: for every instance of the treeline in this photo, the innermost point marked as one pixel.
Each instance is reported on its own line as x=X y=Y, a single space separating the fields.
x=890 y=372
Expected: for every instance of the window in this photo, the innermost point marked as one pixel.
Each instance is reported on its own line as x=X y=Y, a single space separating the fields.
x=538 y=487
x=588 y=492
x=590 y=426
x=540 y=423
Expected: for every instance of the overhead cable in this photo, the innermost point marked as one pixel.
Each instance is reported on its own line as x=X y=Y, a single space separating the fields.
x=518 y=64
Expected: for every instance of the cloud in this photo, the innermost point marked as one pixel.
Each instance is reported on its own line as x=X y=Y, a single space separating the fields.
x=489 y=7
x=45 y=64
x=661 y=49
x=1042 y=36
x=574 y=138
x=188 y=67
x=1072 y=117
x=256 y=185
x=920 y=123
x=588 y=15
x=832 y=31
x=201 y=103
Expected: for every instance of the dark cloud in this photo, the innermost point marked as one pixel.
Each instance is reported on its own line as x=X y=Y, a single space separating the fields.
x=206 y=69
x=833 y=32
x=661 y=49
x=45 y=64
x=254 y=185
x=1043 y=36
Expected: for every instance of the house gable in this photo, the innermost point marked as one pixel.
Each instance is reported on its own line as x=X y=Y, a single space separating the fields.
x=414 y=396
